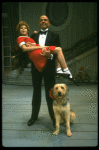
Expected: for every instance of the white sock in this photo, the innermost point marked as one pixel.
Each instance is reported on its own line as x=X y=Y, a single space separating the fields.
x=65 y=69
x=59 y=69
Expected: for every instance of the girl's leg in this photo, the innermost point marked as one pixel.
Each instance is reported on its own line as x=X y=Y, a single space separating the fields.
x=61 y=61
x=58 y=64
x=59 y=69
x=60 y=57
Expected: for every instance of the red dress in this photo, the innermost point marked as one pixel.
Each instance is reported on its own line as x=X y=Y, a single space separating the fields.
x=38 y=60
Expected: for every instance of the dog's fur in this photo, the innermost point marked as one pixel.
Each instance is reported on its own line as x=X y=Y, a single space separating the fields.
x=62 y=108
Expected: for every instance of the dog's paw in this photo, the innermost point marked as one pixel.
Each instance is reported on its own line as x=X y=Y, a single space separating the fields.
x=69 y=133
x=55 y=133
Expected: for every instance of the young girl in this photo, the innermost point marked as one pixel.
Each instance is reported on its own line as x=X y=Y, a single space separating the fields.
x=35 y=50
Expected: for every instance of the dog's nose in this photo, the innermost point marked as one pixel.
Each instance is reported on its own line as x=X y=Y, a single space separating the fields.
x=59 y=93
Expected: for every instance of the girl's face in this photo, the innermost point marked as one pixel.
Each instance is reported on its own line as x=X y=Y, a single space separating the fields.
x=23 y=30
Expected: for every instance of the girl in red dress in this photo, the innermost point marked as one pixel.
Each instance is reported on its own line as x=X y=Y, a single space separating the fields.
x=35 y=51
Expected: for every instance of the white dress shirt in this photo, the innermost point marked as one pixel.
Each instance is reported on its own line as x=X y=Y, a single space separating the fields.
x=42 y=39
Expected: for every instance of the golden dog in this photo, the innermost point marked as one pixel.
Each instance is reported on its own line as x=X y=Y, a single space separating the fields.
x=62 y=108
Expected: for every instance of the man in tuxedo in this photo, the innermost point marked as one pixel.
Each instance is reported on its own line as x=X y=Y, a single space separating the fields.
x=47 y=38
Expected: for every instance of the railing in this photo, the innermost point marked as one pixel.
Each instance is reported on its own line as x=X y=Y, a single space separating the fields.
x=81 y=47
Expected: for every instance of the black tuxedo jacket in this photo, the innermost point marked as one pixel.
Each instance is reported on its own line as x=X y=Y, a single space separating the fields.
x=52 y=39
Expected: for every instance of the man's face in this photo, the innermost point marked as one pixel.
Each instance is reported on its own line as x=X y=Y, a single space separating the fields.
x=44 y=22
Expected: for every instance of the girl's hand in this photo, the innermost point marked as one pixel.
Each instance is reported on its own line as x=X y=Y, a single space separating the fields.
x=28 y=44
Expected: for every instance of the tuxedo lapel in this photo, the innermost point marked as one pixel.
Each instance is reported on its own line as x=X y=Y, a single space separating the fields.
x=47 y=42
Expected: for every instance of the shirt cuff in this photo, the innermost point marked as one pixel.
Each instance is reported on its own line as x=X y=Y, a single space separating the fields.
x=51 y=57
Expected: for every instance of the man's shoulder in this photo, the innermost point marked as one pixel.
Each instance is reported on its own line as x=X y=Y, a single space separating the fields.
x=53 y=32
x=55 y=40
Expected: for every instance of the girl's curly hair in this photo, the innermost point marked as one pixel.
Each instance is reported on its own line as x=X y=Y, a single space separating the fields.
x=20 y=24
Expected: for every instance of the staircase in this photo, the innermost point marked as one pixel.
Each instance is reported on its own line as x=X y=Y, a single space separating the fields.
x=14 y=77
x=74 y=53
x=81 y=47
x=25 y=78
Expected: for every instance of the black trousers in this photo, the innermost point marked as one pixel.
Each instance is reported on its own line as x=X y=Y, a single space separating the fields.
x=49 y=81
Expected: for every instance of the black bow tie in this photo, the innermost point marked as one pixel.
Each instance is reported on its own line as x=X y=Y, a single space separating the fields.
x=43 y=32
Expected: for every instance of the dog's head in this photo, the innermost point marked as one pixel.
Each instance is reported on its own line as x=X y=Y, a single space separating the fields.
x=60 y=91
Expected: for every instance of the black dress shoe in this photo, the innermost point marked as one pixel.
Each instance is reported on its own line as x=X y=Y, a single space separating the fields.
x=68 y=77
x=71 y=79
x=31 y=122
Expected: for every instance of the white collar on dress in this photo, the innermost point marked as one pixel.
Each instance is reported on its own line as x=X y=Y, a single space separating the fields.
x=23 y=36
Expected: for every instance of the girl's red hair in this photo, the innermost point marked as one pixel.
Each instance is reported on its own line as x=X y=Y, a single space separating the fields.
x=20 y=24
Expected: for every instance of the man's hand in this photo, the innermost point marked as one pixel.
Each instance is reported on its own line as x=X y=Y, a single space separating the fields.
x=13 y=57
x=35 y=32
x=45 y=53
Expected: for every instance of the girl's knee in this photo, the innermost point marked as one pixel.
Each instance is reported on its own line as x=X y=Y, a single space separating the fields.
x=58 y=49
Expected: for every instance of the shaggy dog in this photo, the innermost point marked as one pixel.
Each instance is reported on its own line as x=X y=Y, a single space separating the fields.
x=62 y=108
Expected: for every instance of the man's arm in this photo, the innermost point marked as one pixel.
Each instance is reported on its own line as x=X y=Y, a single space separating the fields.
x=45 y=52
x=56 y=42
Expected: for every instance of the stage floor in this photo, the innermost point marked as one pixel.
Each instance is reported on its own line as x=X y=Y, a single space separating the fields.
x=16 y=111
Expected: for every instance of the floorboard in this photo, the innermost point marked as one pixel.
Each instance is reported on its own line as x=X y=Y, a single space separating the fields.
x=16 y=111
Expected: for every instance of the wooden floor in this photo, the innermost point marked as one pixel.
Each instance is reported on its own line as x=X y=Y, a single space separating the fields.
x=16 y=111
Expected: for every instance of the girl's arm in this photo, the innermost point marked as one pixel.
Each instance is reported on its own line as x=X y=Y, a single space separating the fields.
x=31 y=48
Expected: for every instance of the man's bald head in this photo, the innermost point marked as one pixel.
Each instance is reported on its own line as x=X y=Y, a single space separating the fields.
x=44 y=22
